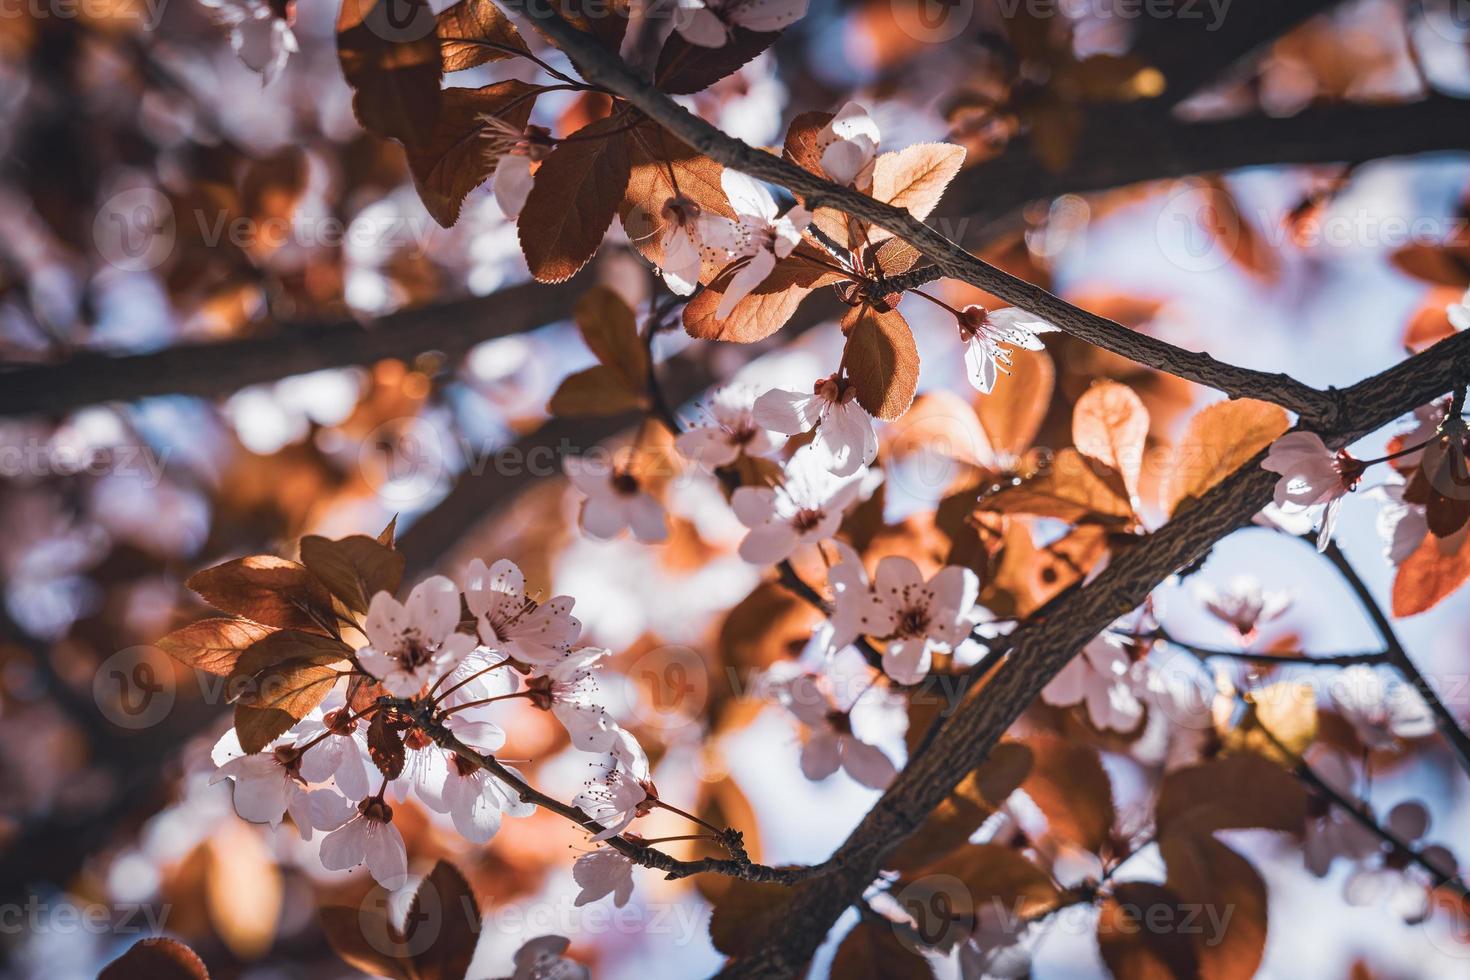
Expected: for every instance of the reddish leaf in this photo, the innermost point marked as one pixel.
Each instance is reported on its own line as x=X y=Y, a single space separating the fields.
x=1139 y=937
x=1072 y=488
x=156 y=959
x=915 y=177
x=742 y=911
x=881 y=360
x=951 y=824
x=1233 y=792
x=1220 y=439
x=365 y=940
x=575 y=195
x=611 y=333
x=460 y=26
x=1432 y=572
x=212 y=645
x=765 y=310
x=385 y=746
x=1110 y=424
x=684 y=68
x=283 y=694
x=269 y=590
x=1069 y=784
x=597 y=391
x=390 y=57
x=455 y=157
x=1225 y=896
x=354 y=569
x=444 y=912
x=873 y=949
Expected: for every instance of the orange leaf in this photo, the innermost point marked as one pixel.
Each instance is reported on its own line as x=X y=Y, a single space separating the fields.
x=1070 y=489
x=1012 y=414
x=881 y=360
x=764 y=311
x=212 y=645
x=455 y=157
x=611 y=333
x=1130 y=940
x=1237 y=791
x=597 y=391
x=445 y=914
x=915 y=177
x=354 y=569
x=573 y=200
x=1110 y=424
x=1069 y=784
x=460 y=26
x=269 y=590
x=873 y=949
x=1430 y=574
x=390 y=56
x=1214 y=882
x=1220 y=439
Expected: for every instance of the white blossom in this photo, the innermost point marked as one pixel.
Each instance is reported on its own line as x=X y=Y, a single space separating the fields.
x=755 y=239
x=711 y=23
x=844 y=441
x=806 y=508
x=1099 y=677
x=511 y=622
x=368 y=838
x=603 y=872
x=268 y=785
x=1244 y=604
x=567 y=688
x=621 y=792
x=414 y=643
x=910 y=616
x=984 y=331
x=848 y=146
x=615 y=501
x=1312 y=475
x=831 y=743
x=732 y=429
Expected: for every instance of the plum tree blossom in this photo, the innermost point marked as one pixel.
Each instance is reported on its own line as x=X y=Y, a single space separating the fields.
x=983 y=332
x=732 y=429
x=1099 y=677
x=603 y=872
x=757 y=237
x=338 y=748
x=682 y=251
x=1380 y=709
x=615 y=501
x=844 y=441
x=259 y=33
x=1312 y=476
x=711 y=23
x=567 y=688
x=1401 y=525
x=912 y=617
x=622 y=792
x=268 y=785
x=475 y=799
x=1244 y=604
x=805 y=508
x=1406 y=894
x=370 y=838
x=848 y=145
x=541 y=959
x=831 y=743
x=411 y=644
x=513 y=623
x=514 y=149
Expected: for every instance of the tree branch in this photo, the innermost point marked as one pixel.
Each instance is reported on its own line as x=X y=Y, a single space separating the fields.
x=1040 y=650
x=602 y=67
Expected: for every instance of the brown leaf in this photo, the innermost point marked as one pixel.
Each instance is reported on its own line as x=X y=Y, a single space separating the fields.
x=800 y=146
x=1430 y=574
x=455 y=156
x=283 y=645
x=573 y=199
x=365 y=940
x=1110 y=424
x=1439 y=266
x=212 y=645
x=611 y=333
x=1012 y=414
x=767 y=307
x=881 y=360
x=1225 y=897
x=1233 y=792
x=915 y=177
x=1130 y=937
x=443 y=912
x=1072 y=488
x=873 y=949
x=599 y=390
x=460 y=26
x=269 y=590
x=385 y=746
x=388 y=536
x=685 y=68
x=742 y=911
x=390 y=56
x=1220 y=439
x=283 y=694
x=1069 y=784
x=353 y=569
x=156 y=959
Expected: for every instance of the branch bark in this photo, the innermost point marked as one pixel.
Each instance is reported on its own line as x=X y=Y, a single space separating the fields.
x=1042 y=650
x=604 y=68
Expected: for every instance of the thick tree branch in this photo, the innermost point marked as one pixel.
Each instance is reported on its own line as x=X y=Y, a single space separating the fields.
x=220 y=368
x=602 y=67
x=1039 y=652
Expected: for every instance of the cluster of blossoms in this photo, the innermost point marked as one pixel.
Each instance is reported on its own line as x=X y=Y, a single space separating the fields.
x=332 y=772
